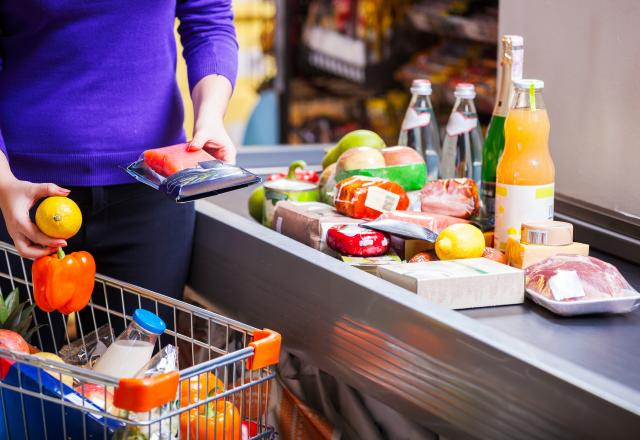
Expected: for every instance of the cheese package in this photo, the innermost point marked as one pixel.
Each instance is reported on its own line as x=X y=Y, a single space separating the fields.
x=523 y=255
x=372 y=264
x=308 y=222
x=356 y=241
x=460 y=284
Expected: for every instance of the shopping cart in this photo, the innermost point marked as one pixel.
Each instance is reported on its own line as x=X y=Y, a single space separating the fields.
x=224 y=394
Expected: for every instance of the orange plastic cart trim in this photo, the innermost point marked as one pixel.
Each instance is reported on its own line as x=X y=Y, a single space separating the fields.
x=142 y=395
x=266 y=345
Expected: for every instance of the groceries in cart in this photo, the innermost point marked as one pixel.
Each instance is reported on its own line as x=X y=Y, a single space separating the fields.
x=185 y=175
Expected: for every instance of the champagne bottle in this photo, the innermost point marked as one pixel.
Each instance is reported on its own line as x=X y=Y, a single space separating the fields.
x=511 y=62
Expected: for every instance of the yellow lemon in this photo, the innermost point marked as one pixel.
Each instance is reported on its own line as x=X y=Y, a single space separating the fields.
x=59 y=217
x=67 y=380
x=461 y=240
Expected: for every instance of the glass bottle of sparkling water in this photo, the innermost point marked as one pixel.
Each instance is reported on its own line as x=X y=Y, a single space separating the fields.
x=420 y=128
x=462 y=146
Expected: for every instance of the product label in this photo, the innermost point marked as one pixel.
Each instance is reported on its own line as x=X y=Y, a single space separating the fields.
x=566 y=284
x=413 y=119
x=352 y=230
x=381 y=199
x=516 y=204
x=459 y=123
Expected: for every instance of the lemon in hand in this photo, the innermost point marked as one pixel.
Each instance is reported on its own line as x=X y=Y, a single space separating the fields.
x=59 y=217
x=461 y=240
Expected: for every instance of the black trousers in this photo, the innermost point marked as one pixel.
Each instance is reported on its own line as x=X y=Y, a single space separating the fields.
x=136 y=235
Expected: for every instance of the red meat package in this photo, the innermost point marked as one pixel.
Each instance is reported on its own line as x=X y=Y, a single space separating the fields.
x=454 y=197
x=167 y=161
x=357 y=241
x=368 y=197
x=576 y=278
x=433 y=222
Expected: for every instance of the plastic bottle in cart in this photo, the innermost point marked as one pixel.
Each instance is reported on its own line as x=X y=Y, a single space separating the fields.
x=133 y=348
x=462 y=145
x=526 y=174
x=420 y=127
x=511 y=62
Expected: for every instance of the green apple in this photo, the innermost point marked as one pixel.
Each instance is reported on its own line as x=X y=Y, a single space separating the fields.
x=256 y=200
x=357 y=138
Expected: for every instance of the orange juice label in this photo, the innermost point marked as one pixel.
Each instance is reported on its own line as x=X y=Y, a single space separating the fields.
x=516 y=204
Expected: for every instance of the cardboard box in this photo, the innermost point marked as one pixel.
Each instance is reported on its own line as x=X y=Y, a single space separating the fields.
x=406 y=249
x=371 y=264
x=460 y=284
x=308 y=222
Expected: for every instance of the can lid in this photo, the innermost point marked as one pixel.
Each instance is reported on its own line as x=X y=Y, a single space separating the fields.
x=547 y=232
x=538 y=84
x=421 y=87
x=149 y=321
x=465 y=90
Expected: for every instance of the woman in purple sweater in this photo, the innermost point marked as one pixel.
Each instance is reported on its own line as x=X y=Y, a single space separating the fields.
x=86 y=87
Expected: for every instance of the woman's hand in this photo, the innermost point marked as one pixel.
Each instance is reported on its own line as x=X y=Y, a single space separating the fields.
x=210 y=98
x=17 y=197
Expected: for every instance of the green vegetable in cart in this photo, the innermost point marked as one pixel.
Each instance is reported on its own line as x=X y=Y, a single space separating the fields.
x=16 y=316
x=357 y=138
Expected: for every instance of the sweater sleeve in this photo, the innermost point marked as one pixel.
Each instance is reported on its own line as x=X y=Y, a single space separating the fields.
x=208 y=37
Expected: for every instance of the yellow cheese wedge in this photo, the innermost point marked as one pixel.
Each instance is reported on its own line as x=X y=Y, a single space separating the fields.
x=522 y=255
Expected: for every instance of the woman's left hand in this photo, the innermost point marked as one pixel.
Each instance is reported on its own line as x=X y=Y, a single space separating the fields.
x=210 y=98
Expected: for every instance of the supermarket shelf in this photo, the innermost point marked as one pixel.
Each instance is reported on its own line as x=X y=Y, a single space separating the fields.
x=426 y=19
x=505 y=372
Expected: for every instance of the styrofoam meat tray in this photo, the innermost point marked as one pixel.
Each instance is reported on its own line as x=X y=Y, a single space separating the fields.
x=621 y=304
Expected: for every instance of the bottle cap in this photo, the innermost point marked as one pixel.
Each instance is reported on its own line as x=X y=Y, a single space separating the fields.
x=465 y=90
x=517 y=42
x=547 y=232
x=149 y=321
x=538 y=84
x=421 y=87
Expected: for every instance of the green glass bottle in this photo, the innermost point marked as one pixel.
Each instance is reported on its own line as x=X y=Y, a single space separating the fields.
x=511 y=61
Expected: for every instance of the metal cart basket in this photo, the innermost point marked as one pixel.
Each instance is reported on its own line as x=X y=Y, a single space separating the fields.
x=220 y=392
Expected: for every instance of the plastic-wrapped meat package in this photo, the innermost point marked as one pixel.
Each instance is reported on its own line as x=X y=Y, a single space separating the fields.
x=368 y=197
x=576 y=278
x=454 y=197
x=433 y=222
x=357 y=241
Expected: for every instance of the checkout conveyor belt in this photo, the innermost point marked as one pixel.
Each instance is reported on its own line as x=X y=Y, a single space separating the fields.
x=503 y=372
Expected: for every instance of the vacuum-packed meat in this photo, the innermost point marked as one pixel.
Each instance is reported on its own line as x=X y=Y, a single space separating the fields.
x=454 y=197
x=368 y=197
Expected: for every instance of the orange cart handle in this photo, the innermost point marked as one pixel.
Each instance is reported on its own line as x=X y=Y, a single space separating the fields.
x=266 y=349
x=142 y=395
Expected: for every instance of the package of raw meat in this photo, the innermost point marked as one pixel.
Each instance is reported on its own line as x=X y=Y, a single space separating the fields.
x=578 y=285
x=454 y=197
x=187 y=175
x=368 y=197
x=354 y=240
x=433 y=222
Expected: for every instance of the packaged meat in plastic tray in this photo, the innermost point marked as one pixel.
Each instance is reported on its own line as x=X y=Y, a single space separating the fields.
x=454 y=197
x=368 y=197
x=577 y=285
x=188 y=175
x=433 y=222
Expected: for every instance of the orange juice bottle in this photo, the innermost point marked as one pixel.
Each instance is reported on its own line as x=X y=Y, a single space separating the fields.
x=525 y=175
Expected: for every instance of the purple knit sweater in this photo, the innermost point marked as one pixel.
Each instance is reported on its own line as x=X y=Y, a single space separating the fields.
x=86 y=86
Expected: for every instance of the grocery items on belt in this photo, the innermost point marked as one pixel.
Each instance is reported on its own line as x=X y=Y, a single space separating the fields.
x=547 y=232
x=167 y=161
x=461 y=240
x=371 y=264
x=16 y=315
x=454 y=197
x=526 y=173
x=402 y=229
x=133 y=348
x=63 y=282
x=308 y=222
x=59 y=217
x=460 y=284
x=433 y=222
x=358 y=159
x=420 y=127
x=327 y=184
x=407 y=249
x=368 y=197
x=423 y=257
x=495 y=255
x=462 y=143
x=301 y=174
x=576 y=284
x=356 y=138
x=255 y=203
x=354 y=240
x=287 y=189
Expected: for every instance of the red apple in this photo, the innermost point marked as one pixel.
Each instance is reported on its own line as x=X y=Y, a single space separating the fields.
x=13 y=341
x=401 y=156
x=359 y=158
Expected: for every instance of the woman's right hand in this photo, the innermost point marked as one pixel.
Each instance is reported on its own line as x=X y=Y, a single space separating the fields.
x=17 y=197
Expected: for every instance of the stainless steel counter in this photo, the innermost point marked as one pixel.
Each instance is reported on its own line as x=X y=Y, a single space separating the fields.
x=505 y=372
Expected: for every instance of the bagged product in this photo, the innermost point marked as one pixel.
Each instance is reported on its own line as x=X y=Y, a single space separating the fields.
x=187 y=175
x=454 y=197
x=357 y=241
x=433 y=222
x=308 y=222
x=368 y=197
